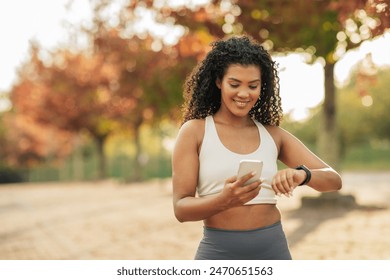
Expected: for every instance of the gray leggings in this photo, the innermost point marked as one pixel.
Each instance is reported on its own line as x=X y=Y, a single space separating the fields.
x=266 y=243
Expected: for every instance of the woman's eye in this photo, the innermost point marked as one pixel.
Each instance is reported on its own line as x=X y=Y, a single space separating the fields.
x=250 y=86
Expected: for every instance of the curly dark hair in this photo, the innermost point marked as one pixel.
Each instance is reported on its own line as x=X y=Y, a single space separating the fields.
x=203 y=97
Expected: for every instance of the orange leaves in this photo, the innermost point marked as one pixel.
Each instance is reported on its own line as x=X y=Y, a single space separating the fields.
x=120 y=80
x=194 y=44
x=84 y=69
x=30 y=142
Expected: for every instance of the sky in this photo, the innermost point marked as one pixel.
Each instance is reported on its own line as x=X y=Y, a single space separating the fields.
x=302 y=85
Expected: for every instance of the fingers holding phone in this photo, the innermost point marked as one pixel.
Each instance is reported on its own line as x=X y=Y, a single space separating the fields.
x=249 y=171
x=248 y=176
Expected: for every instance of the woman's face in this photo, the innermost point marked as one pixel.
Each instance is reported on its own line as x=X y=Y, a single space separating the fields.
x=240 y=88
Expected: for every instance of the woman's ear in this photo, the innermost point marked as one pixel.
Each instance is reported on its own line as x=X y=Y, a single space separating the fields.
x=218 y=83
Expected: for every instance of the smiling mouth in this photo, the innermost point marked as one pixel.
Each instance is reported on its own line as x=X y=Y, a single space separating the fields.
x=241 y=103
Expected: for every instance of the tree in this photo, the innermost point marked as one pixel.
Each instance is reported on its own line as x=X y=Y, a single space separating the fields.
x=150 y=70
x=325 y=29
x=368 y=109
x=120 y=79
x=70 y=94
x=362 y=107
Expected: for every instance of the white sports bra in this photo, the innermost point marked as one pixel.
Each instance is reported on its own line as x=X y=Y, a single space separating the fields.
x=217 y=163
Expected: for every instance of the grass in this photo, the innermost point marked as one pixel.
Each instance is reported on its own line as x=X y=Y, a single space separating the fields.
x=369 y=157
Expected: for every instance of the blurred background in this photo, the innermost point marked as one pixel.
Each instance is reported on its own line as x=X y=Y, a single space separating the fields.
x=90 y=103
x=93 y=89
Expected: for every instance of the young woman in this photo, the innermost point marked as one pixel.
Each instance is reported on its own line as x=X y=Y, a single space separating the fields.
x=232 y=113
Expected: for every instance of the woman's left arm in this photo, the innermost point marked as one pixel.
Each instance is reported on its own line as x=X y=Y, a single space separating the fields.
x=293 y=153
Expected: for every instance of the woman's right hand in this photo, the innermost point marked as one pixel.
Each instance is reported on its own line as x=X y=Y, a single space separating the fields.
x=236 y=193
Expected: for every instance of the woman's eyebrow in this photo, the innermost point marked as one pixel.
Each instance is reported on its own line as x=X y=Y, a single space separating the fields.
x=237 y=80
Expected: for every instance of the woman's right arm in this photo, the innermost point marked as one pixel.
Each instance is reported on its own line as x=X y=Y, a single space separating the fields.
x=185 y=168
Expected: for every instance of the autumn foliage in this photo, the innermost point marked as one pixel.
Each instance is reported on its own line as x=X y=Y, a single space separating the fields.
x=126 y=78
x=117 y=84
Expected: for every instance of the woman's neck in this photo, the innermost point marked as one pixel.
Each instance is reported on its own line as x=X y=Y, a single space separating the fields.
x=232 y=120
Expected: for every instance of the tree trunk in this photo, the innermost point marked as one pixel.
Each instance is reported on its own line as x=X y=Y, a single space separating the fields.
x=138 y=151
x=102 y=165
x=136 y=173
x=77 y=160
x=328 y=144
x=328 y=137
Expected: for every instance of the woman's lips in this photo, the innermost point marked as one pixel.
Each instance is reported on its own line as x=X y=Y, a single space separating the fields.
x=241 y=103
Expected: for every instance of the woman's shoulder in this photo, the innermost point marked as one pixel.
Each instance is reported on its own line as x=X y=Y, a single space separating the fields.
x=278 y=133
x=193 y=128
x=194 y=125
x=274 y=130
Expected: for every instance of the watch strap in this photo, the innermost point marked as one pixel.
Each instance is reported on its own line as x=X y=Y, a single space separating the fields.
x=308 y=174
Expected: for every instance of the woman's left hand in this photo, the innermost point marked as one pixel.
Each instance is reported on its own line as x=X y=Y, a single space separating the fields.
x=286 y=180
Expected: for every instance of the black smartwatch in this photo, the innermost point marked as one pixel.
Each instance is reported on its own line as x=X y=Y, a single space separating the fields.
x=308 y=174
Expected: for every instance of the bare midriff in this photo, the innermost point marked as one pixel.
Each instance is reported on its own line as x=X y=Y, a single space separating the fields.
x=245 y=217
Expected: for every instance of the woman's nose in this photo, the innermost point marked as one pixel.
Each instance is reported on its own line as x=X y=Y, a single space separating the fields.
x=243 y=93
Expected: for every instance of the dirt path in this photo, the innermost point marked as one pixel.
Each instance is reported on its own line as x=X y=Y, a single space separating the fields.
x=107 y=220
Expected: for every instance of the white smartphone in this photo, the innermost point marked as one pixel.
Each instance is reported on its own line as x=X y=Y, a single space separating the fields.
x=248 y=166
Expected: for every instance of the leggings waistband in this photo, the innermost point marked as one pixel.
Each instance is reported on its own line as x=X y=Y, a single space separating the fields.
x=278 y=223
